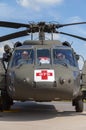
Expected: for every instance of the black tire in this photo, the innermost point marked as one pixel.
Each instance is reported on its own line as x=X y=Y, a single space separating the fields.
x=6 y=101
x=79 y=105
x=1 y=105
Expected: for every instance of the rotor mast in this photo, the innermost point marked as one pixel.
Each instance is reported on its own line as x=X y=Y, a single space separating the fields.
x=41 y=31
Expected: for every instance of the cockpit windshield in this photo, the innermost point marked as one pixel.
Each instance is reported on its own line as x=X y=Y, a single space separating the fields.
x=61 y=56
x=23 y=56
x=43 y=56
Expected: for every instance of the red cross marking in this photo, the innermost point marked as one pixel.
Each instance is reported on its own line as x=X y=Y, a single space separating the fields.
x=44 y=74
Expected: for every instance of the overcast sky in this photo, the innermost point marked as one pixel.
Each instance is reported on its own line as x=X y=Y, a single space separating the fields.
x=61 y=11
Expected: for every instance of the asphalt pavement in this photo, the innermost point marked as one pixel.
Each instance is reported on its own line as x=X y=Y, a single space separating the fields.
x=43 y=116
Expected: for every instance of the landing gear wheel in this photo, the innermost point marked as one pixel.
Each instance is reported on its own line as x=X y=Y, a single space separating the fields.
x=6 y=101
x=78 y=103
x=1 y=104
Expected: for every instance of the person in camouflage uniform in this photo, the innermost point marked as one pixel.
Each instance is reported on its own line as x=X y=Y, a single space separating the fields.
x=6 y=56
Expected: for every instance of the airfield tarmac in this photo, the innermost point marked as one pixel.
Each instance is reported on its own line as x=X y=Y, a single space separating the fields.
x=43 y=116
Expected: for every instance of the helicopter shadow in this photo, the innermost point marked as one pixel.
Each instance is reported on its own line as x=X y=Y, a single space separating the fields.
x=32 y=111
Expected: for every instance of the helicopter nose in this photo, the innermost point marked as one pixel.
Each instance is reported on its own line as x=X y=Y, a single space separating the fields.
x=23 y=76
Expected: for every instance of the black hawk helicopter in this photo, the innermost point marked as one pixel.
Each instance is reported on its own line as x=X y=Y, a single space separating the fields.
x=41 y=70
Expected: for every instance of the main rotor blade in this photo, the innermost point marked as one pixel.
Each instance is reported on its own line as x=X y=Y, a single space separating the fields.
x=63 y=25
x=75 y=36
x=13 y=24
x=14 y=35
x=19 y=25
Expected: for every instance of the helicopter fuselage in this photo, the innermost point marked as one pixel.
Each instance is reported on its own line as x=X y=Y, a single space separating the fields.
x=45 y=78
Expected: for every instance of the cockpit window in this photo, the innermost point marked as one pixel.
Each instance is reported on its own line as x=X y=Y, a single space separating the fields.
x=23 y=57
x=61 y=56
x=43 y=56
